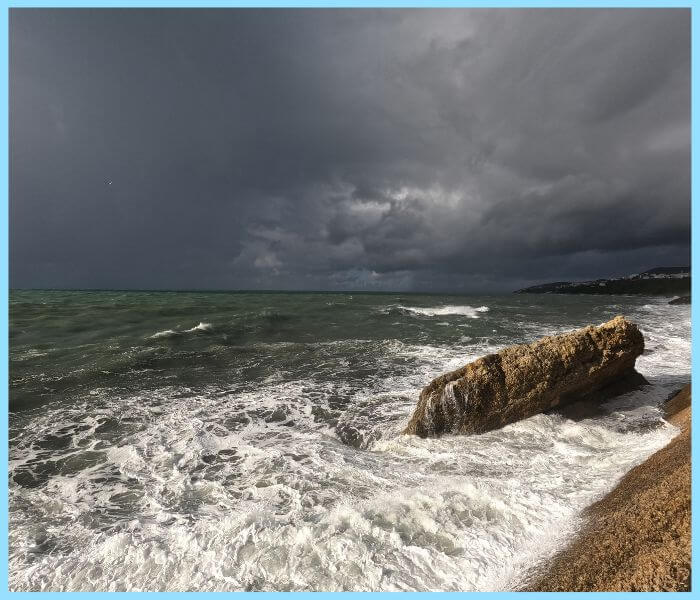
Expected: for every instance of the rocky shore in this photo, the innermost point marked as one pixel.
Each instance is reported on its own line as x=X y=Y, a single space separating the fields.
x=637 y=538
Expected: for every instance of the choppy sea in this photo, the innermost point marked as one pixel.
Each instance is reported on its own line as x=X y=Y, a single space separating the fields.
x=251 y=441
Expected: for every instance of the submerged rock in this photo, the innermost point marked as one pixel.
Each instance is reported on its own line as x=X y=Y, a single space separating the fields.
x=520 y=381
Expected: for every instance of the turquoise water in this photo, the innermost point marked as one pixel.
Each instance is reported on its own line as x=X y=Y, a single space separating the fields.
x=250 y=441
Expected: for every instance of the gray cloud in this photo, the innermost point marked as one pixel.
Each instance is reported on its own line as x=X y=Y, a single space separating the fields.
x=344 y=149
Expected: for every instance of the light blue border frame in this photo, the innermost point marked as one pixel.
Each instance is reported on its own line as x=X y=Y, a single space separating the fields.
x=350 y=4
x=4 y=249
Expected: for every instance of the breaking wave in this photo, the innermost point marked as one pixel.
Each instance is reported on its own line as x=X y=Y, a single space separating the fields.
x=168 y=333
x=467 y=311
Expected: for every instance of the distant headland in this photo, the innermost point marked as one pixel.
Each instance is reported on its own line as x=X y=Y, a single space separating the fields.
x=660 y=281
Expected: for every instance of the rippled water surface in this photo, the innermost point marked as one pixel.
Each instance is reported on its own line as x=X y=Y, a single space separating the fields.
x=235 y=441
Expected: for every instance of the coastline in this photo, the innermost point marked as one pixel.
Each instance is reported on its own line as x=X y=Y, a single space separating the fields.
x=637 y=538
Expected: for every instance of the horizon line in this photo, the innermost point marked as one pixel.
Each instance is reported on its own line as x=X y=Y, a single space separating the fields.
x=254 y=291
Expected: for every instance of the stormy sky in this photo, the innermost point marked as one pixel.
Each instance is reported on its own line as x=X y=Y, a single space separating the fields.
x=426 y=150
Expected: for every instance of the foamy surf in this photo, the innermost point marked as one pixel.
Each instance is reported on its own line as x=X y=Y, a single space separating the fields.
x=274 y=461
x=283 y=509
x=467 y=311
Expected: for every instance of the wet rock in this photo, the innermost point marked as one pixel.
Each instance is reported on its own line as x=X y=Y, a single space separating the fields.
x=681 y=300
x=591 y=364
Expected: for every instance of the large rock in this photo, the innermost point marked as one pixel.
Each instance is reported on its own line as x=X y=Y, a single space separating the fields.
x=593 y=363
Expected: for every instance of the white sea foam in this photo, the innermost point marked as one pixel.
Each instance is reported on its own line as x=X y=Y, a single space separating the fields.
x=174 y=333
x=200 y=327
x=164 y=334
x=285 y=508
x=468 y=311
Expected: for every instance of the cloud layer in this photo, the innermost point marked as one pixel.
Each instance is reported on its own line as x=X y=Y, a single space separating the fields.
x=435 y=149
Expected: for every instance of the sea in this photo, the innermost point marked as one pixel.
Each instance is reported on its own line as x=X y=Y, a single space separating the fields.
x=189 y=441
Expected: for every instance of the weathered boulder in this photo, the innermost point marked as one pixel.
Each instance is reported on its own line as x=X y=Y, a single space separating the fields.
x=593 y=363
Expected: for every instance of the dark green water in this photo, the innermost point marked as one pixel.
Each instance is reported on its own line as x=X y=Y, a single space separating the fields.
x=67 y=343
x=229 y=441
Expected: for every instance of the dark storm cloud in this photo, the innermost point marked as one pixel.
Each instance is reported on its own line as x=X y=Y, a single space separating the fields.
x=412 y=149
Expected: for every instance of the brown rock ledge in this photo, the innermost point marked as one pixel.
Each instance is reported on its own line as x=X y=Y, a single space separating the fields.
x=637 y=538
x=520 y=381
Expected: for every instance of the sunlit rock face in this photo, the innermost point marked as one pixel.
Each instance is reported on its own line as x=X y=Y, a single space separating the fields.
x=593 y=363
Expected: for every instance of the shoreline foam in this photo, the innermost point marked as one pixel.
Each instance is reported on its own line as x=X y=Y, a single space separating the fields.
x=637 y=538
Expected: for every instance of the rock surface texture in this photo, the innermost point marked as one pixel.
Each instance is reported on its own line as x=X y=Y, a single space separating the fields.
x=521 y=381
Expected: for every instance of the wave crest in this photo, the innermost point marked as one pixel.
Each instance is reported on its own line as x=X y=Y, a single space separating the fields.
x=168 y=333
x=467 y=311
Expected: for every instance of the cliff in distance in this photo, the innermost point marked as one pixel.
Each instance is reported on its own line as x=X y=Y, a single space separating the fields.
x=661 y=281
